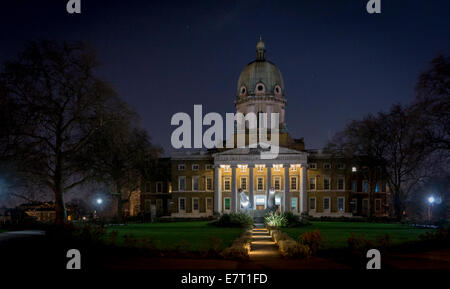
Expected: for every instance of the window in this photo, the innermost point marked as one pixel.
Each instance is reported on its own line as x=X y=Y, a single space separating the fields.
x=365 y=186
x=377 y=187
x=209 y=204
x=209 y=186
x=277 y=184
x=260 y=88
x=227 y=184
x=182 y=204
x=244 y=184
x=326 y=204
x=354 y=205
x=208 y=167
x=148 y=205
x=159 y=187
x=354 y=186
x=195 y=183
x=181 y=183
x=312 y=166
x=354 y=169
x=341 y=166
x=365 y=206
x=341 y=183
x=327 y=166
x=181 y=167
x=293 y=183
x=377 y=205
x=195 y=167
x=312 y=183
x=227 y=204
x=260 y=184
x=326 y=183
x=294 y=204
x=312 y=203
x=341 y=205
x=277 y=200
x=147 y=187
x=195 y=204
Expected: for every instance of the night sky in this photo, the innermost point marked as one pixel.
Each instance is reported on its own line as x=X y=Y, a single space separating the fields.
x=338 y=62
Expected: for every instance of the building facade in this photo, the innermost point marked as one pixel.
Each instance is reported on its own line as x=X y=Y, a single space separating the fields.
x=218 y=181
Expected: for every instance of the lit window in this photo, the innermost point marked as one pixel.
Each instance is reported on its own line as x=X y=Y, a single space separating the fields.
x=227 y=184
x=293 y=183
x=260 y=184
x=353 y=169
x=354 y=186
x=244 y=184
x=227 y=204
x=277 y=184
x=294 y=204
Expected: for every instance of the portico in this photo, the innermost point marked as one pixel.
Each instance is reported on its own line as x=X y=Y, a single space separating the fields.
x=243 y=168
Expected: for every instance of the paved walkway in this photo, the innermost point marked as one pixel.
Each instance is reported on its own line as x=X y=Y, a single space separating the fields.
x=20 y=234
x=263 y=247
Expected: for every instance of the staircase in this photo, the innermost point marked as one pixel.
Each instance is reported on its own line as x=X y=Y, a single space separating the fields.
x=258 y=216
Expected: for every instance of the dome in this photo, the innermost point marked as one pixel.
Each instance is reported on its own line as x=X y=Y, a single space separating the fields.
x=260 y=77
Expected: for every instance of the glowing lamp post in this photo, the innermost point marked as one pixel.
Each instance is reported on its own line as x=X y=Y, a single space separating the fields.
x=99 y=201
x=431 y=201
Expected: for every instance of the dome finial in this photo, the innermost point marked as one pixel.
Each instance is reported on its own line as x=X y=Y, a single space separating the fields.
x=260 y=50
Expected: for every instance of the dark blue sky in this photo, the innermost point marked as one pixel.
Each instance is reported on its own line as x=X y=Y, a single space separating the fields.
x=338 y=62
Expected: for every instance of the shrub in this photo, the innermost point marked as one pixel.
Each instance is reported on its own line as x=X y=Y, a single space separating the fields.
x=291 y=248
x=148 y=243
x=293 y=220
x=240 y=247
x=278 y=236
x=359 y=243
x=113 y=236
x=274 y=219
x=311 y=239
x=233 y=220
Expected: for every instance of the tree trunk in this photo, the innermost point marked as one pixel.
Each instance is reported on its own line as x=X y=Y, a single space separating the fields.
x=60 y=208
x=397 y=206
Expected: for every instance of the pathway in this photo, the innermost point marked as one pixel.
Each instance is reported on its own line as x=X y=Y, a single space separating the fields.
x=263 y=248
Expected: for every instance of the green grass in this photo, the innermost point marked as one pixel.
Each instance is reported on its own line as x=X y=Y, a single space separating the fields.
x=167 y=236
x=337 y=233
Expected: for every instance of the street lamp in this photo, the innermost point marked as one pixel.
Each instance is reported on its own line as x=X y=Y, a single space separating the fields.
x=431 y=201
x=99 y=201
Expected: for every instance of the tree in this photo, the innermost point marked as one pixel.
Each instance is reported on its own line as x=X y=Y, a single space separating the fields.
x=58 y=106
x=433 y=103
x=116 y=156
x=363 y=144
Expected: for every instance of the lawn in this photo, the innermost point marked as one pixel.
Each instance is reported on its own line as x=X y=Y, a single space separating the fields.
x=196 y=235
x=337 y=233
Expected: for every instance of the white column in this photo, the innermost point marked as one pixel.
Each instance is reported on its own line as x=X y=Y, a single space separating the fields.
x=217 y=194
x=286 y=188
x=269 y=185
x=250 y=185
x=234 y=200
x=303 y=190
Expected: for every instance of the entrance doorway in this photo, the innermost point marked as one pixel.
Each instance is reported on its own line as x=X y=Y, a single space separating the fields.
x=260 y=202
